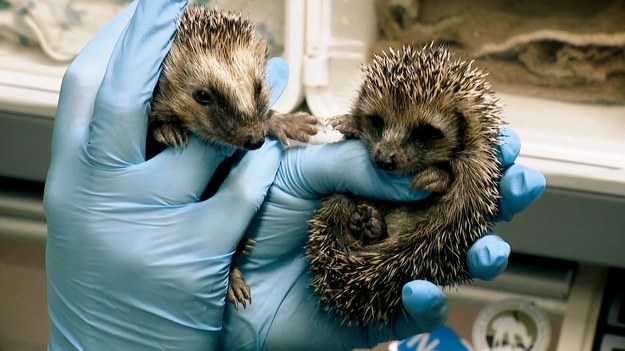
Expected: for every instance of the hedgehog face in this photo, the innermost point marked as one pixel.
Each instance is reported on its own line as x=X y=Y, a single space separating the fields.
x=221 y=98
x=411 y=109
x=213 y=79
x=409 y=139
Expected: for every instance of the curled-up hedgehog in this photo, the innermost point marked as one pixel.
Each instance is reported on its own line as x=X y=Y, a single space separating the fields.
x=213 y=85
x=419 y=112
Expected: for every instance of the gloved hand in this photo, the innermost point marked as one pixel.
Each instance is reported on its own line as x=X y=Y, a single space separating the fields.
x=134 y=261
x=284 y=314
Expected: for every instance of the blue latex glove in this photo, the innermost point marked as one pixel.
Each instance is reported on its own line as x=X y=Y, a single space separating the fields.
x=134 y=261
x=284 y=314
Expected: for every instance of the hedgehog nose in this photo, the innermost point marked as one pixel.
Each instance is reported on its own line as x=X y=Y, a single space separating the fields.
x=254 y=141
x=387 y=162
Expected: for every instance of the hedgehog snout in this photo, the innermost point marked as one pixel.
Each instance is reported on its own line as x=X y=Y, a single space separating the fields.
x=386 y=160
x=254 y=141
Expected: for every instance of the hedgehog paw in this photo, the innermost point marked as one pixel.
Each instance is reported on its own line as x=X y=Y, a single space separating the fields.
x=299 y=126
x=171 y=134
x=367 y=225
x=238 y=290
x=245 y=246
x=432 y=179
x=344 y=124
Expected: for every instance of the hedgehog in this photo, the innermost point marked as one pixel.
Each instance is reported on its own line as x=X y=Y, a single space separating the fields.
x=422 y=113
x=213 y=85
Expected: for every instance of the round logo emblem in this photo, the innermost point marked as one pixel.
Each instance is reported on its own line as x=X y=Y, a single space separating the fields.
x=511 y=325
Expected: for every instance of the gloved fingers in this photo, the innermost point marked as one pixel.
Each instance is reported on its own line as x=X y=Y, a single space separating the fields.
x=510 y=146
x=427 y=307
x=277 y=78
x=488 y=257
x=519 y=187
x=119 y=125
x=314 y=171
x=178 y=177
x=229 y=212
x=80 y=86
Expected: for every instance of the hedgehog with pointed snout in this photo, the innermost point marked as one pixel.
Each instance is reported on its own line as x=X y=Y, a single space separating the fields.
x=419 y=112
x=213 y=86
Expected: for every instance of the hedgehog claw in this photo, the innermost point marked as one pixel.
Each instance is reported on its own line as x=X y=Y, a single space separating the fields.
x=299 y=126
x=345 y=125
x=171 y=134
x=245 y=247
x=238 y=290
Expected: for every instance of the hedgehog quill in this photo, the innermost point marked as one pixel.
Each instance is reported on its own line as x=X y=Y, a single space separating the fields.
x=213 y=85
x=420 y=112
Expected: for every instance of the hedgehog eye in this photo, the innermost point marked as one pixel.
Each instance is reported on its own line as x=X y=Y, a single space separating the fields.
x=204 y=96
x=426 y=134
x=376 y=121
